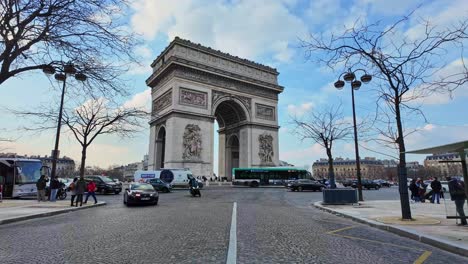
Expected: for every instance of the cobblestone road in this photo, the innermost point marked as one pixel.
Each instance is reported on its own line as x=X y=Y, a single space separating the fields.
x=273 y=226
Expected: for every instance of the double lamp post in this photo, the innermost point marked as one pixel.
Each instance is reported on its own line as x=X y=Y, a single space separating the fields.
x=62 y=71
x=350 y=77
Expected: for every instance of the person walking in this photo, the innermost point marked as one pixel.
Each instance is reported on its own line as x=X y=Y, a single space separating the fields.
x=80 y=188
x=458 y=195
x=72 y=188
x=436 y=189
x=91 y=191
x=54 y=186
x=41 y=186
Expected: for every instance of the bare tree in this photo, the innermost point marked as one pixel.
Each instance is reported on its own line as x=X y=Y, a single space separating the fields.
x=406 y=69
x=325 y=128
x=90 y=33
x=89 y=120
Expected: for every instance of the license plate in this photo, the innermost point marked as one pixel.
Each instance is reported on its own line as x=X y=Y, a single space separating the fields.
x=145 y=199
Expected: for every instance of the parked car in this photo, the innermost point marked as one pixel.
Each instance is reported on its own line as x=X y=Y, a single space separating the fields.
x=160 y=185
x=105 y=184
x=383 y=183
x=347 y=183
x=305 y=184
x=443 y=183
x=140 y=193
x=367 y=184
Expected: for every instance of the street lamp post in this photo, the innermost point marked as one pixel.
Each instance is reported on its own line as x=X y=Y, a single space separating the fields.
x=63 y=70
x=350 y=77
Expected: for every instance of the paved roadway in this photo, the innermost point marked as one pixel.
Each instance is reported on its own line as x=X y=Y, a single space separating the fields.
x=273 y=226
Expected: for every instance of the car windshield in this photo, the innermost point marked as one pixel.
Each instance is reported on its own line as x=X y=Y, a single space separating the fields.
x=142 y=187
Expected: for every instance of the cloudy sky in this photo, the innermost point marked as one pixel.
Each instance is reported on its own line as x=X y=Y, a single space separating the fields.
x=267 y=31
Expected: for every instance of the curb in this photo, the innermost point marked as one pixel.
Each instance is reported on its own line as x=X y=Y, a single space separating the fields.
x=426 y=239
x=46 y=214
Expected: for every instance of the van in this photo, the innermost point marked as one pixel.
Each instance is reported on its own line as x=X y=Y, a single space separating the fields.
x=175 y=177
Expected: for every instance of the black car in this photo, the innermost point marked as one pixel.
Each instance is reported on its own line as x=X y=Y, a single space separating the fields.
x=367 y=184
x=105 y=184
x=140 y=193
x=305 y=184
x=160 y=185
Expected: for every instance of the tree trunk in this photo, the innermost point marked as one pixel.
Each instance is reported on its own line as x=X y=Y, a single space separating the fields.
x=402 y=173
x=331 y=172
x=83 y=162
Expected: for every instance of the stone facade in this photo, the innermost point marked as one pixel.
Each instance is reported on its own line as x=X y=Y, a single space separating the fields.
x=346 y=168
x=192 y=86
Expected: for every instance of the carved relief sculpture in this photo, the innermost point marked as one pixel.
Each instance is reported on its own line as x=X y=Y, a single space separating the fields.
x=192 y=142
x=265 y=148
x=193 y=98
x=265 y=112
x=162 y=102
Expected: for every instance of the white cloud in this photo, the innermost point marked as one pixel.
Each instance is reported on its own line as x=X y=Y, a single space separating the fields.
x=301 y=109
x=140 y=100
x=451 y=72
x=303 y=156
x=440 y=13
x=248 y=29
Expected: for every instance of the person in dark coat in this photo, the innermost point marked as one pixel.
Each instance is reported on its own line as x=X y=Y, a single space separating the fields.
x=41 y=188
x=54 y=186
x=80 y=190
x=414 y=191
x=458 y=195
x=436 y=189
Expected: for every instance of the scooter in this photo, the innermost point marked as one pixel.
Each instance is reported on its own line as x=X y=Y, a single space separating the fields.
x=195 y=190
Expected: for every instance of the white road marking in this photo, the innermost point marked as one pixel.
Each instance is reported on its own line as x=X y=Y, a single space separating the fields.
x=232 y=250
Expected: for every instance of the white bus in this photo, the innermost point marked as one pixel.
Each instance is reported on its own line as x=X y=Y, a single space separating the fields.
x=18 y=177
x=175 y=177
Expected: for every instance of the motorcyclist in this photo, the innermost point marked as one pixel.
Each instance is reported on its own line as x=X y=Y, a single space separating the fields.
x=193 y=182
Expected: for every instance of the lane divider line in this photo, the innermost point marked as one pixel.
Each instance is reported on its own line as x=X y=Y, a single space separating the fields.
x=341 y=229
x=423 y=257
x=232 y=250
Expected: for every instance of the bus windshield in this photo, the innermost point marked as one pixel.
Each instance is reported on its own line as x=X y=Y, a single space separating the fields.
x=28 y=172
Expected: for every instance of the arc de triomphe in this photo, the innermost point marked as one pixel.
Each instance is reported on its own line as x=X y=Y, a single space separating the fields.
x=193 y=85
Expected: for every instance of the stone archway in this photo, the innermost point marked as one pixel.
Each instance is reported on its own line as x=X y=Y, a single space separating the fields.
x=231 y=115
x=191 y=87
x=160 y=147
x=232 y=155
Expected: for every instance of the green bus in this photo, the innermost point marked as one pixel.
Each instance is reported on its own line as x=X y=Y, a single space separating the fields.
x=255 y=177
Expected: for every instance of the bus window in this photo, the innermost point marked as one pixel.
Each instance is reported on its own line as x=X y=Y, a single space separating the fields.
x=27 y=172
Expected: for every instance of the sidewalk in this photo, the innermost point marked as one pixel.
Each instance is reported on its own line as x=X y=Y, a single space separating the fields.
x=430 y=225
x=19 y=210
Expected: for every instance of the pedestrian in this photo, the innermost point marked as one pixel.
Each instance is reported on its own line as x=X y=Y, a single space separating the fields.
x=421 y=190
x=54 y=186
x=436 y=189
x=204 y=178
x=41 y=186
x=458 y=195
x=80 y=188
x=72 y=189
x=91 y=191
x=414 y=191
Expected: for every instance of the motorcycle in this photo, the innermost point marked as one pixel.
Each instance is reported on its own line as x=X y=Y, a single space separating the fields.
x=61 y=193
x=195 y=190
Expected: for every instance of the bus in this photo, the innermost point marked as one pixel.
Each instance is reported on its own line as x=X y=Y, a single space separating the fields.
x=18 y=176
x=254 y=177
